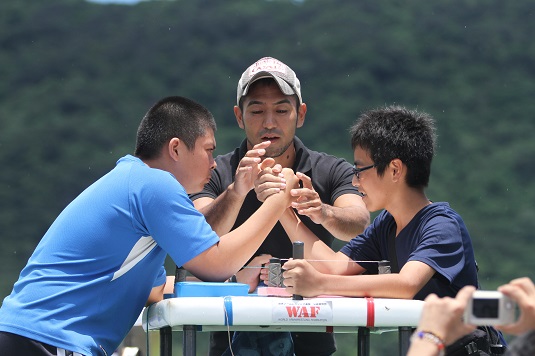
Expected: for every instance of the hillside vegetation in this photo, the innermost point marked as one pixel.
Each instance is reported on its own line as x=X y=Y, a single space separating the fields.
x=77 y=77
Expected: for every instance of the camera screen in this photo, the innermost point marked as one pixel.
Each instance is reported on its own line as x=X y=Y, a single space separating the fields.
x=485 y=308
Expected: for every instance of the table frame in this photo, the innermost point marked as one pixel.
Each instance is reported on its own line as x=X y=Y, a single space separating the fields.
x=171 y=314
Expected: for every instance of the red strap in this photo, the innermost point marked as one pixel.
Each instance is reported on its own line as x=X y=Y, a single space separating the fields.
x=370 y=320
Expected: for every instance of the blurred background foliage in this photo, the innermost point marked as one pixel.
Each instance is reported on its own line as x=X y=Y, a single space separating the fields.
x=77 y=77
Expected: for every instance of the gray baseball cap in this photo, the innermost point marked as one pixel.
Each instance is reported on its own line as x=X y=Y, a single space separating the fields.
x=268 y=67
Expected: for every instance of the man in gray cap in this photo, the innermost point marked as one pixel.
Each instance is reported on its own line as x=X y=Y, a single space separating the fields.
x=269 y=109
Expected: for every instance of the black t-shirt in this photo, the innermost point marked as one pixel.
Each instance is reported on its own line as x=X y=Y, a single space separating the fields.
x=331 y=178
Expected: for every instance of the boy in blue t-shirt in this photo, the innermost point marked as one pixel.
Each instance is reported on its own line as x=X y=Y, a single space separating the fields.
x=393 y=149
x=427 y=243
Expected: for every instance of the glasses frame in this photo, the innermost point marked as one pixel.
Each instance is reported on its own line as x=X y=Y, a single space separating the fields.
x=357 y=171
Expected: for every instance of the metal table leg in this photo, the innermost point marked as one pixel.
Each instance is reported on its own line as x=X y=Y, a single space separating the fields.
x=189 y=346
x=404 y=334
x=166 y=341
x=363 y=341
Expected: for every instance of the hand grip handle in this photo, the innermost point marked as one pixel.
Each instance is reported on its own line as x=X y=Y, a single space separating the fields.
x=298 y=252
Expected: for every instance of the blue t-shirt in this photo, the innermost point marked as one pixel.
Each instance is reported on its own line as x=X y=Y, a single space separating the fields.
x=436 y=236
x=90 y=276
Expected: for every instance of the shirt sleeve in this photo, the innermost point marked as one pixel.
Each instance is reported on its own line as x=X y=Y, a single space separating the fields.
x=441 y=247
x=366 y=247
x=341 y=180
x=162 y=210
x=162 y=277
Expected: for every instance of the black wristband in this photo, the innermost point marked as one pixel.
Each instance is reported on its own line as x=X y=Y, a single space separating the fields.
x=233 y=279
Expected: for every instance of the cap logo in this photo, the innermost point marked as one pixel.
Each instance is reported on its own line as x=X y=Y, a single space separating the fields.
x=268 y=65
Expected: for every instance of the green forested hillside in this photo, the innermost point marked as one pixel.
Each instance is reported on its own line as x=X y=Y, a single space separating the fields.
x=76 y=78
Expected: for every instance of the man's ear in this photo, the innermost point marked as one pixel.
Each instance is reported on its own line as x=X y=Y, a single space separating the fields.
x=301 y=114
x=174 y=148
x=398 y=169
x=239 y=116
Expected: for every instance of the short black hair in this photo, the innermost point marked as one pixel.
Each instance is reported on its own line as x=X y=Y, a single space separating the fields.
x=396 y=132
x=173 y=116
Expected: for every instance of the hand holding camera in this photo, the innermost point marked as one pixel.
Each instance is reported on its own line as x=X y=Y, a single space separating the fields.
x=490 y=308
x=510 y=309
x=522 y=291
x=443 y=316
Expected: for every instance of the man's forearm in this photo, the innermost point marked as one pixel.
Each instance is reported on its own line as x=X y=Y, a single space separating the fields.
x=380 y=286
x=345 y=223
x=315 y=249
x=222 y=212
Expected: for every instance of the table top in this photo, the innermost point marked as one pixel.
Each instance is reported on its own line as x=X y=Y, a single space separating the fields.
x=253 y=313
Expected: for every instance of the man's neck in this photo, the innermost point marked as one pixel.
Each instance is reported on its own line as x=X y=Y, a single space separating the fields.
x=406 y=205
x=287 y=159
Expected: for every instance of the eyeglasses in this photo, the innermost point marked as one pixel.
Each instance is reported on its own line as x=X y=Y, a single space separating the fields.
x=356 y=171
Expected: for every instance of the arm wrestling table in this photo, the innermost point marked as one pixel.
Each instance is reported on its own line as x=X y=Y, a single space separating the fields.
x=257 y=313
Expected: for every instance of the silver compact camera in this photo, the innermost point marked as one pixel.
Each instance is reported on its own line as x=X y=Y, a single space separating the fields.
x=490 y=308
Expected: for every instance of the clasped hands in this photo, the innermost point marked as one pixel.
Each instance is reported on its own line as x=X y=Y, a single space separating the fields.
x=306 y=200
x=267 y=178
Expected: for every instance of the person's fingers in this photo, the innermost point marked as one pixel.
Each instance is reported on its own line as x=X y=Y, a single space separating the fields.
x=304 y=192
x=304 y=203
x=244 y=169
x=431 y=297
x=291 y=264
x=307 y=182
x=263 y=144
x=260 y=260
x=277 y=169
x=258 y=150
x=267 y=163
x=249 y=161
x=514 y=292
x=465 y=294
x=526 y=284
x=290 y=177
